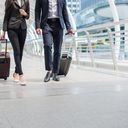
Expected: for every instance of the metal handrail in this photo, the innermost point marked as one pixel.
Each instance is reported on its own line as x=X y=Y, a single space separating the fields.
x=93 y=53
x=103 y=26
x=96 y=49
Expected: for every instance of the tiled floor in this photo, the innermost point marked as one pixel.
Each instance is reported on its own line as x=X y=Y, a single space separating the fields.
x=83 y=99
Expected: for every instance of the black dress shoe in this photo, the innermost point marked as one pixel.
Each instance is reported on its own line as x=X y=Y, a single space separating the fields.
x=55 y=77
x=47 y=77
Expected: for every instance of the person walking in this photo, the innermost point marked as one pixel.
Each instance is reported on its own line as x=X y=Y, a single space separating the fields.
x=51 y=17
x=16 y=13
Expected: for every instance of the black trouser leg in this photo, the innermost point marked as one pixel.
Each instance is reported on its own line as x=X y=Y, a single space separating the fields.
x=22 y=37
x=57 y=44
x=54 y=36
x=17 y=39
x=47 y=38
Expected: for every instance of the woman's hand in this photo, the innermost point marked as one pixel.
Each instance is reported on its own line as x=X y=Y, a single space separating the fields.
x=22 y=12
x=2 y=36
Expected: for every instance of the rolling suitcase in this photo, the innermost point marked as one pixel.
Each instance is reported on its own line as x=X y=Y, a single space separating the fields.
x=65 y=62
x=66 y=58
x=4 y=62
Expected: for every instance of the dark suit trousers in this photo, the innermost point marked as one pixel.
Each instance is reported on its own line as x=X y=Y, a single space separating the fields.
x=17 y=38
x=52 y=36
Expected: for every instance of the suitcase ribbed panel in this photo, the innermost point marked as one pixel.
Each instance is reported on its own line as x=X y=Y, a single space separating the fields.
x=4 y=62
x=4 y=67
x=65 y=62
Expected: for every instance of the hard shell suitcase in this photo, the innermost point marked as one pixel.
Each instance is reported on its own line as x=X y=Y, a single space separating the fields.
x=65 y=62
x=4 y=62
x=66 y=57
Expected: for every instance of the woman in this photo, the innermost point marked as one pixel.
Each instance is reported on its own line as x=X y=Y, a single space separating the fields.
x=16 y=13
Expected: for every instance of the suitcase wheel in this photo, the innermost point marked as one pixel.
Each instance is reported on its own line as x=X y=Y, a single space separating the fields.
x=5 y=78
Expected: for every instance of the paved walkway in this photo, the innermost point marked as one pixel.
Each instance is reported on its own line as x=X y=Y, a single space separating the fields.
x=83 y=99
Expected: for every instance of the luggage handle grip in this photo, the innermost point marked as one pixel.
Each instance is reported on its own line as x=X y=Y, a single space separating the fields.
x=5 y=41
x=70 y=46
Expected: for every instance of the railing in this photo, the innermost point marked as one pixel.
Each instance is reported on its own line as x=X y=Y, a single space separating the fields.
x=102 y=46
x=99 y=46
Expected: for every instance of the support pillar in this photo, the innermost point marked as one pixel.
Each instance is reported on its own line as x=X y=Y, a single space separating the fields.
x=117 y=27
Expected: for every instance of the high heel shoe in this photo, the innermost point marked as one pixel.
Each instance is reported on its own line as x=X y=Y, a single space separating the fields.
x=22 y=80
x=15 y=77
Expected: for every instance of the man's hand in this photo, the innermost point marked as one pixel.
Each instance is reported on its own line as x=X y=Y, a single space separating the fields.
x=70 y=32
x=39 y=31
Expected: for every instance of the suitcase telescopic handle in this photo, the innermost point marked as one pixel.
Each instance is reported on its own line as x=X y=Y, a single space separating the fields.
x=4 y=41
x=71 y=44
x=5 y=48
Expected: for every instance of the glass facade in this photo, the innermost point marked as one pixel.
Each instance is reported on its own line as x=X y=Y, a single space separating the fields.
x=74 y=6
x=90 y=13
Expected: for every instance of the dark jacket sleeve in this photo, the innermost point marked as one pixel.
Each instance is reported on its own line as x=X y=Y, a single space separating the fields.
x=37 y=13
x=7 y=14
x=27 y=10
x=66 y=16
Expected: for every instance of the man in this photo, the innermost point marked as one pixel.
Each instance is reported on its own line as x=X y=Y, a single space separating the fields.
x=51 y=16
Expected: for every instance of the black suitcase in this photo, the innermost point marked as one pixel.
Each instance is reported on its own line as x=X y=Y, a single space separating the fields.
x=65 y=62
x=4 y=62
